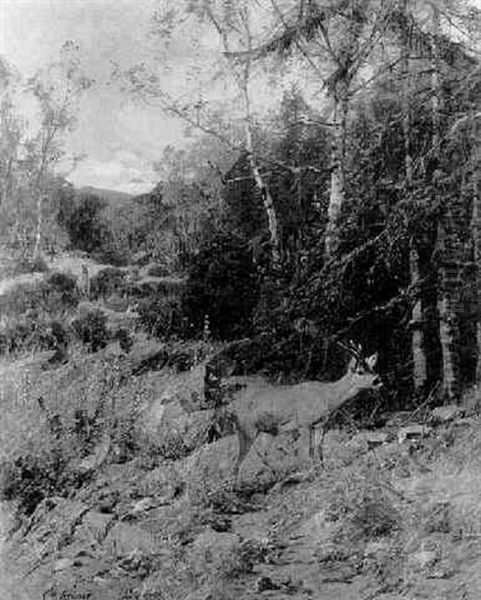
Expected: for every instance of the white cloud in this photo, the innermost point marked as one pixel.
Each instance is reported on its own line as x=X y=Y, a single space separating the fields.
x=113 y=174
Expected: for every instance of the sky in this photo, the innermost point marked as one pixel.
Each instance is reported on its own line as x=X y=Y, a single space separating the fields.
x=119 y=138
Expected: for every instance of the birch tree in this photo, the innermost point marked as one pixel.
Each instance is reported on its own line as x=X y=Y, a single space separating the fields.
x=223 y=65
x=335 y=40
x=57 y=90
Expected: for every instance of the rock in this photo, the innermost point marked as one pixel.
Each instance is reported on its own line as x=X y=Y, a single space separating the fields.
x=175 y=411
x=144 y=505
x=264 y=584
x=423 y=559
x=153 y=269
x=413 y=432
x=94 y=460
x=397 y=419
x=62 y=564
x=123 y=539
x=164 y=483
x=151 y=358
x=446 y=414
x=107 y=500
x=371 y=439
x=94 y=528
x=211 y=463
x=376 y=548
x=141 y=258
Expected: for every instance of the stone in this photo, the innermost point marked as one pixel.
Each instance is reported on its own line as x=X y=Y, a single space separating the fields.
x=371 y=439
x=423 y=559
x=123 y=539
x=413 y=432
x=446 y=414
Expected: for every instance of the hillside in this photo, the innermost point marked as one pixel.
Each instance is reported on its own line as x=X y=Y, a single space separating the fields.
x=375 y=523
x=142 y=503
x=113 y=196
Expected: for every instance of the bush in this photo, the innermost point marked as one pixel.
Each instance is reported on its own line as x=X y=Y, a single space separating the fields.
x=29 y=479
x=107 y=282
x=65 y=285
x=26 y=334
x=83 y=222
x=52 y=297
x=29 y=264
x=91 y=328
x=222 y=285
x=161 y=317
x=362 y=509
x=155 y=270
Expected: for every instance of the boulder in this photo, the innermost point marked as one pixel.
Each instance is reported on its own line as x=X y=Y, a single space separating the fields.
x=369 y=439
x=124 y=538
x=153 y=269
x=413 y=433
x=446 y=414
x=141 y=258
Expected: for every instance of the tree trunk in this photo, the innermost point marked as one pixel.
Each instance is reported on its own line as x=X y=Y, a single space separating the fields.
x=448 y=271
x=417 y=335
x=261 y=185
x=7 y=183
x=476 y=237
x=337 y=192
x=39 y=233
x=448 y=318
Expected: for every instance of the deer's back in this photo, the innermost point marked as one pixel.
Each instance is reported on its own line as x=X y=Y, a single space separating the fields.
x=301 y=404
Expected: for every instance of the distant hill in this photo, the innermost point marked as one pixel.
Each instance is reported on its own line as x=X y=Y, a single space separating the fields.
x=108 y=195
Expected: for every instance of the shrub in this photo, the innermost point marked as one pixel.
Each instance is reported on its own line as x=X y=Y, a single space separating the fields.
x=222 y=285
x=65 y=285
x=124 y=338
x=25 y=334
x=91 y=328
x=157 y=271
x=161 y=317
x=362 y=509
x=83 y=222
x=29 y=264
x=51 y=297
x=107 y=282
x=29 y=479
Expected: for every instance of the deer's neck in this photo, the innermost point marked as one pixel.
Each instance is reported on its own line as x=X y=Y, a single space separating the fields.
x=340 y=392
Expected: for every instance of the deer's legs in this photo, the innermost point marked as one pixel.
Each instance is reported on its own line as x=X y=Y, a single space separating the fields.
x=314 y=436
x=245 y=444
x=312 y=440
x=320 y=448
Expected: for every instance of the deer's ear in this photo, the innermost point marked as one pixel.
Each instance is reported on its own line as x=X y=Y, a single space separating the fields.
x=371 y=361
x=352 y=364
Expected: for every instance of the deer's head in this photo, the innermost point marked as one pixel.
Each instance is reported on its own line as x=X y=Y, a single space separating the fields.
x=360 y=371
x=362 y=375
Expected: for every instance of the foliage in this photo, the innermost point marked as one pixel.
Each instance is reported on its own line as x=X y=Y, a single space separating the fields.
x=65 y=284
x=91 y=329
x=106 y=282
x=31 y=478
x=222 y=287
x=25 y=333
x=54 y=295
x=81 y=218
x=161 y=317
x=29 y=264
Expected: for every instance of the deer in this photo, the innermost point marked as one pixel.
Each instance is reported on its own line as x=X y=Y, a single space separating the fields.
x=260 y=407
